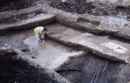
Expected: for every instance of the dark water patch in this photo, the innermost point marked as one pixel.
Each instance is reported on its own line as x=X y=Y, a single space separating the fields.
x=19 y=71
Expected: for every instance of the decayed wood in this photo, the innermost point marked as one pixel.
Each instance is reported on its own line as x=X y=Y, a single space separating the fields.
x=99 y=45
x=84 y=69
x=120 y=30
x=81 y=22
x=11 y=13
x=41 y=19
x=96 y=29
x=87 y=23
x=72 y=20
x=34 y=17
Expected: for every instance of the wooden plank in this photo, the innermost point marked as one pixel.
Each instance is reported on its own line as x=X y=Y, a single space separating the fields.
x=99 y=45
x=77 y=69
x=75 y=21
x=28 y=23
x=119 y=25
x=92 y=24
x=11 y=13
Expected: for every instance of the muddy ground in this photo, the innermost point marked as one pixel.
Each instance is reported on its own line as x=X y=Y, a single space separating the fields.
x=81 y=69
x=15 y=4
x=74 y=6
x=82 y=6
x=19 y=71
x=85 y=68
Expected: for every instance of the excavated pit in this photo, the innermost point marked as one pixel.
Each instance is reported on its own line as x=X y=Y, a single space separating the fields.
x=82 y=68
x=66 y=61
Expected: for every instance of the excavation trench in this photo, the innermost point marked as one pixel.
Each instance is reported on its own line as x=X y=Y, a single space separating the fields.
x=64 y=59
x=71 y=65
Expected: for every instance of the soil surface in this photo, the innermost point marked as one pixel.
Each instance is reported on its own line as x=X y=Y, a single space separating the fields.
x=15 y=4
x=82 y=6
x=18 y=71
x=78 y=69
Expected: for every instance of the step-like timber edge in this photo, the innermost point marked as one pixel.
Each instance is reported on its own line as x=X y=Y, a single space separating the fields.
x=71 y=20
x=62 y=17
x=41 y=19
x=11 y=13
x=86 y=49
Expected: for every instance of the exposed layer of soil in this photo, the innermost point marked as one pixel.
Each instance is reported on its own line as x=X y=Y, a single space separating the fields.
x=15 y=4
x=81 y=69
x=81 y=7
x=75 y=6
x=18 y=71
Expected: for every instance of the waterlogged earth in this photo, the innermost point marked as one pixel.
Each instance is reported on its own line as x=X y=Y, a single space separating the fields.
x=48 y=54
x=76 y=66
x=92 y=7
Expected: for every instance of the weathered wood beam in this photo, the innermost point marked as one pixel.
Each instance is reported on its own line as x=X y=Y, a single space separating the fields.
x=11 y=13
x=102 y=46
x=87 y=23
x=41 y=19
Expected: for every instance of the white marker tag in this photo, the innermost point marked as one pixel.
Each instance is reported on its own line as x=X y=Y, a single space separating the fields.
x=115 y=47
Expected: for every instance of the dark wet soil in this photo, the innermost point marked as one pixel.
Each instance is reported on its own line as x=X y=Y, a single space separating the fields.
x=18 y=18
x=79 y=70
x=93 y=69
x=81 y=7
x=78 y=7
x=18 y=71
x=15 y=4
x=74 y=6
